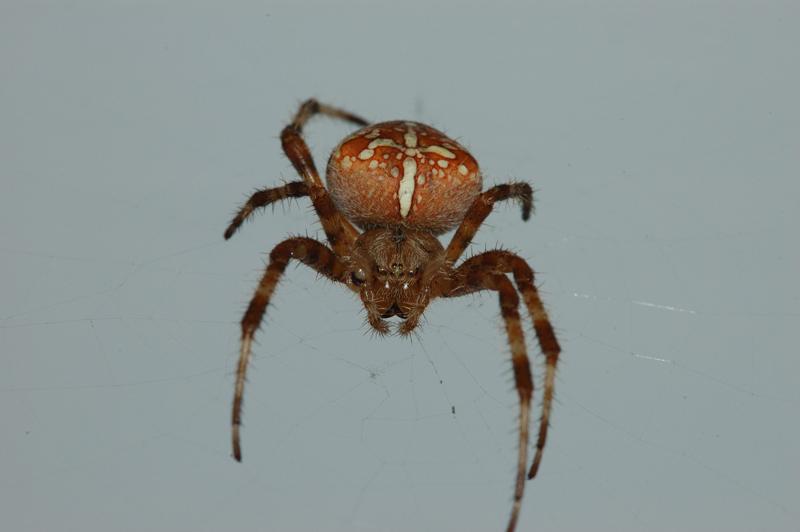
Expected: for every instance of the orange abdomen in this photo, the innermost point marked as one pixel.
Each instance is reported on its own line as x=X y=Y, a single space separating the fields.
x=403 y=173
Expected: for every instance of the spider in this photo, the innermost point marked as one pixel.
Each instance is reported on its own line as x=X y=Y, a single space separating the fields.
x=393 y=187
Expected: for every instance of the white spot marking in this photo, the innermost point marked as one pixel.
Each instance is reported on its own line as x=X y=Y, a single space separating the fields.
x=420 y=181
x=442 y=163
x=346 y=162
x=366 y=154
x=410 y=138
x=406 y=190
x=462 y=169
x=438 y=150
x=384 y=142
x=395 y=171
x=373 y=134
x=373 y=164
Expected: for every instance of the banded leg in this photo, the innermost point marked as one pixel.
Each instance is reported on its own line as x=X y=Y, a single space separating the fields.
x=336 y=227
x=507 y=262
x=262 y=198
x=481 y=208
x=312 y=107
x=468 y=280
x=311 y=253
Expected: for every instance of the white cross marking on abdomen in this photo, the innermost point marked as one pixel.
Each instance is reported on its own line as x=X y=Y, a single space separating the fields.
x=405 y=190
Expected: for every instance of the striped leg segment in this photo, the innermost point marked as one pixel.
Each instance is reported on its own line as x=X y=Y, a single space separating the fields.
x=311 y=253
x=337 y=228
x=467 y=280
x=506 y=262
x=481 y=208
x=262 y=198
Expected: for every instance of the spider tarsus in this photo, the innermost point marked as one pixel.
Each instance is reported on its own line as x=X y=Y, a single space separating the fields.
x=526 y=212
x=535 y=466
x=525 y=195
x=237 y=449
x=230 y=231
x=236 y=223
x=409 y=324
x=379 y=326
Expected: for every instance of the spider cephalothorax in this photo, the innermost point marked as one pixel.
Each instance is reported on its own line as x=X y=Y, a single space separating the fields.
x=393 y=269
x=403 y=183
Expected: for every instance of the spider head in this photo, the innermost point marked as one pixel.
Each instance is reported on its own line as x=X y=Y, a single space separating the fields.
x=392 y=268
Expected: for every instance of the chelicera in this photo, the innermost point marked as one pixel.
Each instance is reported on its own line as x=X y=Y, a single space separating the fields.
x=393 y=188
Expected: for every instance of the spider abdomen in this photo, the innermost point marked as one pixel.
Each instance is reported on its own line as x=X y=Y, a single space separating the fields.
x=403 y=173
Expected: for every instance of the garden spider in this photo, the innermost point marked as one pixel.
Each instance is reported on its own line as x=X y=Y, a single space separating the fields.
x=402 y=184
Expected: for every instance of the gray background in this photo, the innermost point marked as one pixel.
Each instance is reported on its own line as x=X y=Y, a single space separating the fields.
x=662 y=140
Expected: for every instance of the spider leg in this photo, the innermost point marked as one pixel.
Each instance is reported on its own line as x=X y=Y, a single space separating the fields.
x=481 y=208
x=311 y=253
x=507 y=262
x=337 y=228
x=312 y=107
x=262 y=198
x=468 y=280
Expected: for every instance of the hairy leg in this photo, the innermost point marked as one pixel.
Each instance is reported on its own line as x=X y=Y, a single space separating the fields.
x=340 y=232
x=470 y=280
x=311 y=253
x=507 y=262
x=262 y=198
x=481 y=208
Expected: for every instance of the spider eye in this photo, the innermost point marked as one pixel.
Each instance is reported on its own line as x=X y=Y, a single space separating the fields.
x=358 y=277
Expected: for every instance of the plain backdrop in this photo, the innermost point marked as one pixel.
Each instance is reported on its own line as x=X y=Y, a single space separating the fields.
x=662 y=139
